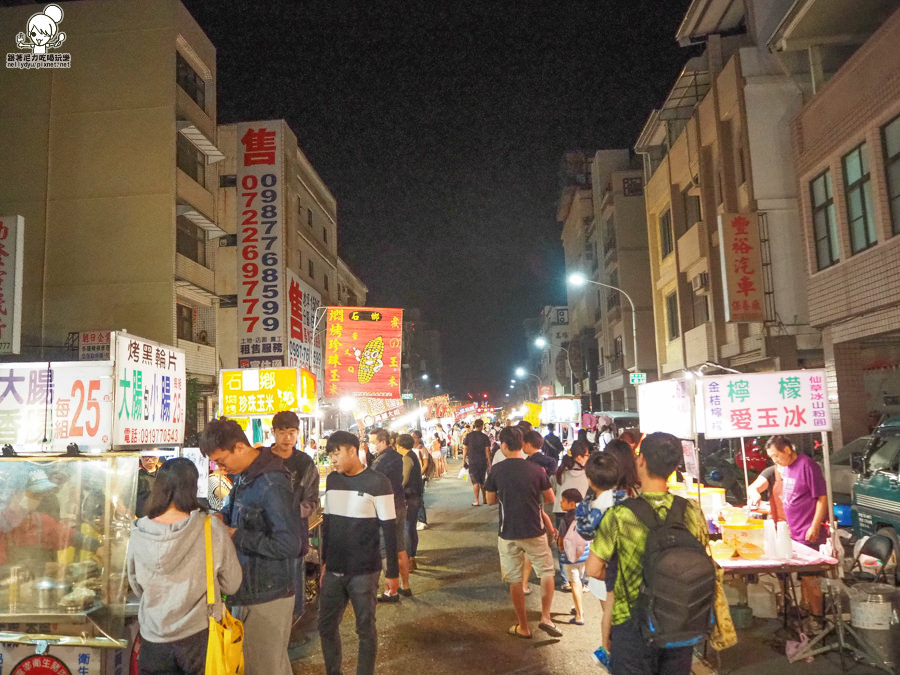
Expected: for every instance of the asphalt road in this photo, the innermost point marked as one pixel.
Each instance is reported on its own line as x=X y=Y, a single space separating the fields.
x=457 y=619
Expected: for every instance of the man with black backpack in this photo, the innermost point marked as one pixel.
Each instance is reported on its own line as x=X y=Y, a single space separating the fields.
x=665 y=588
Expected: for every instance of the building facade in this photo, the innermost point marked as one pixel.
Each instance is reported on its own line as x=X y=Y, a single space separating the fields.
x=553 y=356
x=846 y=149
x=723 y=217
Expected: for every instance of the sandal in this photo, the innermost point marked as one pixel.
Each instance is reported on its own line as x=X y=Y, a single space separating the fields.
x=514 y=631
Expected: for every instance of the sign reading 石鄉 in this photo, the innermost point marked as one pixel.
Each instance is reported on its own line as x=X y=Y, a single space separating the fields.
x=764 y=404
x=150 y=392
x=362 y=352
x=742 y=276
x=260 y=239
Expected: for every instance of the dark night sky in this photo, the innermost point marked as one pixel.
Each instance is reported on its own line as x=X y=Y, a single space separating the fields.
x=440 y=130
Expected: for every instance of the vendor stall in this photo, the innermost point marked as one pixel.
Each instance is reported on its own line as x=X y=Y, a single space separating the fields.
x=67 y=500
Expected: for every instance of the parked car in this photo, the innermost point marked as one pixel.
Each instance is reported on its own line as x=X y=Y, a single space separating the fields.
x=842 y=475
x=876 y=494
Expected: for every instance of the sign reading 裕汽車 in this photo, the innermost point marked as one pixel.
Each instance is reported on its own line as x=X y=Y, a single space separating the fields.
x=763 y=404
x=150 y=393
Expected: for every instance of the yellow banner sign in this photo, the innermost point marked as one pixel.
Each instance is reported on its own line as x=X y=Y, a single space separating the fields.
x=259 y=392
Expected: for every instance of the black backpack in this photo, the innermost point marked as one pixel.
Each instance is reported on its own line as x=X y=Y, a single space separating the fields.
x=675 y=607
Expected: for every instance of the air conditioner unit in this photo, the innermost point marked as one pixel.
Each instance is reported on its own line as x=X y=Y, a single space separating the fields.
x=700 y=283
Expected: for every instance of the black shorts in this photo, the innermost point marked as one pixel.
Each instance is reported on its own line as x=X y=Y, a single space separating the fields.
x=476 y=473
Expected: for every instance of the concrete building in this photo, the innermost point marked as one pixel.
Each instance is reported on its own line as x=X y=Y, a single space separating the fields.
x=114 y=172
x=553 y=361
x=721 y=199
x=846 y=151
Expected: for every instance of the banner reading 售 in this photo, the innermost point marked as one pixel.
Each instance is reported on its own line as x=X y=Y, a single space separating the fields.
x=362 y=352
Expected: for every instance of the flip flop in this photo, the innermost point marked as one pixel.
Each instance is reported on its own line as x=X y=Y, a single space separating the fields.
x=477 y=504
x=576 y=623
x=550 y=629
x=514 y=631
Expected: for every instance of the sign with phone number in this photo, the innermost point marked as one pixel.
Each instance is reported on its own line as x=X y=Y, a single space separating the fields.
x=260 y=230
x=45 y=407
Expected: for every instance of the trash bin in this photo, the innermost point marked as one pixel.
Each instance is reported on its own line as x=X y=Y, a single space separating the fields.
x=873 y=615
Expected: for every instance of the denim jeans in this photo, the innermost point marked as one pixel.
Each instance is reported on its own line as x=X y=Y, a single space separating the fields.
x=336 y=591
x=631 y=655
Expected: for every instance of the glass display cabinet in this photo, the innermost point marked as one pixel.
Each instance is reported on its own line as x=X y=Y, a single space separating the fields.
x=64 y=529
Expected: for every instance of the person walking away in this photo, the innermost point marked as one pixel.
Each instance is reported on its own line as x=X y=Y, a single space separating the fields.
x=622 y=531
x=389 y=462
x=265 y=529
x=531 y=444
x=305 y=487
x=414 y=491
x=570 y=474
x=427 y=465
x=437 y=455
x=573 y=552
x=166 y=551
x=604 y=437
x=520 y=487
x=477 y=455
x=805 y=502
x=552 y=446
x=359 y=505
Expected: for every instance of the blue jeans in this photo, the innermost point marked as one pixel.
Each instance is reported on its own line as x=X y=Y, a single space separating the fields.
x=336 y=591
x=631 y=655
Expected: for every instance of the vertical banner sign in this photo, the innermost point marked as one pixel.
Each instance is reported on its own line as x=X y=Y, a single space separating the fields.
x=764 y=404
x=151 y=394
x=260 y=234
x=362 y=352
x=741 y=267
x=304 y=346
x=44 y=407
x=12 y=246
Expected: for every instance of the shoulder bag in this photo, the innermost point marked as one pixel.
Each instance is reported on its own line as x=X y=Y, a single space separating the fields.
x=225 y=650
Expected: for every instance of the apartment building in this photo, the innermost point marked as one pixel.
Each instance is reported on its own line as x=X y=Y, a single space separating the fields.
x=723 y=215
x=112 y=162
x=551 y=337
x=846 y=151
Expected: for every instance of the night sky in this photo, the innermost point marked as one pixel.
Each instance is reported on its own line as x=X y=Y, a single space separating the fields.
x=440 y=130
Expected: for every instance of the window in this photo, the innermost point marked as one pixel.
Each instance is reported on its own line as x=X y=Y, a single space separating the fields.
x=700 y=307
x=672 y=316
x=691 y=209
x=188 y=79
x=891 y=135
x=325 y=234
x=311 y=269
x=189 y=159
x=824 y=222
x=667 y=242
x=309 y=217
x=741 y=172
x=299 y=212
x=326 y=282
x=860 y=214
x=299 y=258
x=184 y=317
x=190 y=240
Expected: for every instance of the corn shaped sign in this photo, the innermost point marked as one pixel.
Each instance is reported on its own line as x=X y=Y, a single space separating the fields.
x=362 y=352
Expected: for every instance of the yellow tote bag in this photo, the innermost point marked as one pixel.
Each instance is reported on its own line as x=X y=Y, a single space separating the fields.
x=225 y=651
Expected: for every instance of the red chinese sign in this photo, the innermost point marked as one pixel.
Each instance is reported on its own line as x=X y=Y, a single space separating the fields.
x=362 y=352
x=12 y=246
x=437 y=407
x=741 y=267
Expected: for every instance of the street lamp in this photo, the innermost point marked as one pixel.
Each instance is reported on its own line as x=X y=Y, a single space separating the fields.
x=521 y=372
x=578 y=279
x=541 y=342
x=425 y=376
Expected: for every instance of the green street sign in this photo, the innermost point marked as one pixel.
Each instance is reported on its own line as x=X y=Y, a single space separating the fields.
x=638 y=378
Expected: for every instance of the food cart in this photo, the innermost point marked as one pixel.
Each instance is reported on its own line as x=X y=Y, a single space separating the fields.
x=72 y=432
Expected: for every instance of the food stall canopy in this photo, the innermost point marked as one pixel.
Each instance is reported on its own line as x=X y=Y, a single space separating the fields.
x=561 y=409
x=136 y=400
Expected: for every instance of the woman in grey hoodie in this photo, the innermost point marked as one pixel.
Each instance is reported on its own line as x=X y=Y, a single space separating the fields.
x=167 y=570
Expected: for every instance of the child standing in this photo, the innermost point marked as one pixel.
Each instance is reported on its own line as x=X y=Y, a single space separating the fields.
x=573 y=551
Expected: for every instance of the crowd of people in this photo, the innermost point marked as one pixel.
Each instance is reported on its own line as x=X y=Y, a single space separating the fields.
x=576 y=513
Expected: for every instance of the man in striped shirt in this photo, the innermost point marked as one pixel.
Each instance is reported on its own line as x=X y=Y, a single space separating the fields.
x=358 y=503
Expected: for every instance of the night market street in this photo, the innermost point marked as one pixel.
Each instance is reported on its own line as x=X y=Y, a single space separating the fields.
x=456 y=621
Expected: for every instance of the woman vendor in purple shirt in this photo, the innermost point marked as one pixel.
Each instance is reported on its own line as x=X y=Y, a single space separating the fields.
x=805 y=507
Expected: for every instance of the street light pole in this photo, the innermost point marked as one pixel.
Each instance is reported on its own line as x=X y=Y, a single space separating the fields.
x=579 y=279
x=541 y=342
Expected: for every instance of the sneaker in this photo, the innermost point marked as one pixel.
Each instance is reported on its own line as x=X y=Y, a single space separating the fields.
x=421 y=526
x=601 y=657
x=384 y=597
x=406 y=592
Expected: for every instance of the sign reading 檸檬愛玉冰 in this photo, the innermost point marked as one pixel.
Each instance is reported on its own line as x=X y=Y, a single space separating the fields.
x=12 y=245
x=150 y=392
x=260 y=240
x=763 y=404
